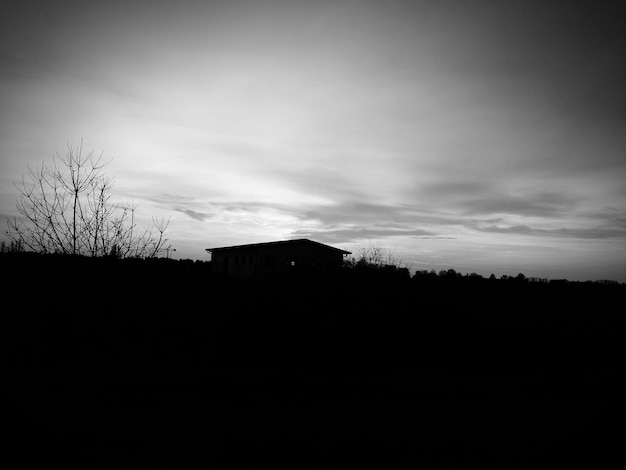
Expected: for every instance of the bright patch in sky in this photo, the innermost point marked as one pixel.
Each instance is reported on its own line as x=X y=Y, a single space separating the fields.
x=487 y=137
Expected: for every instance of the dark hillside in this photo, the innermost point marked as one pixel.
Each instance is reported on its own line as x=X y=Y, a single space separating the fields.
x=156 y=361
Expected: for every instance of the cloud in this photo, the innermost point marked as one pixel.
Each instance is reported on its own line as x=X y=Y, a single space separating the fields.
x=535 y=205
x=195 y=215
x=323 y=179
x=352 y=234
x=594 y=233
x=399 y=215
x=168 y=199
x=435 y=238
x=477 y=196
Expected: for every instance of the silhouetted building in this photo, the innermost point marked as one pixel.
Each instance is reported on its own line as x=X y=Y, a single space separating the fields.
x=275 y=259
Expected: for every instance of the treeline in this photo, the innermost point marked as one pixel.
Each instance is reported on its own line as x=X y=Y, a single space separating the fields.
x=520 y=277
x=392 y=270
x=162 y=311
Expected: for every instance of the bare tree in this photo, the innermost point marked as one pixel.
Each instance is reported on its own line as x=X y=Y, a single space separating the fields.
x=67 y=208
x=375 y=255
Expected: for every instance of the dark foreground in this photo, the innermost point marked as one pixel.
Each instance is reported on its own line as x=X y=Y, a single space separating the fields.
x=132 y=364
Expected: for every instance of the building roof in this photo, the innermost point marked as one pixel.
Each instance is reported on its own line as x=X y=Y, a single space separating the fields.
x=283 y=242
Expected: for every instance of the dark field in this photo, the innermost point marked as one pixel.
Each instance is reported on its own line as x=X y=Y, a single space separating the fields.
x=132 y=363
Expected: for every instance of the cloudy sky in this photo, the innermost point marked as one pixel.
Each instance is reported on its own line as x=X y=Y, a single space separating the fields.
x=484 y=136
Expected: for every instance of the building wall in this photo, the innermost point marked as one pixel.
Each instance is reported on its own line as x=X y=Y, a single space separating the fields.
x=276 y=260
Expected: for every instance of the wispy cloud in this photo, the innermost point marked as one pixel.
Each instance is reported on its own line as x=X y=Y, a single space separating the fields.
x=435 y=238
x=353 y=234
x=195 y=215
x=580 y=233
x=528 y=205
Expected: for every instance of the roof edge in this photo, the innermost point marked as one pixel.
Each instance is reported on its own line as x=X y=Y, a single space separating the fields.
x=280 y=242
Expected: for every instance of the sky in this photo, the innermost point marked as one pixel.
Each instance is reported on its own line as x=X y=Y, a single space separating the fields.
x=482 y=136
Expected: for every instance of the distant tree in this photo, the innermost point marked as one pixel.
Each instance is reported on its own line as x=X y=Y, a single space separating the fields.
x=451 y=273
x=425 y=274
x=374 y=255
x=13 y=247
x=66 y=208
x=375 y=258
